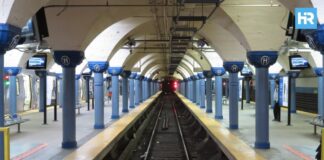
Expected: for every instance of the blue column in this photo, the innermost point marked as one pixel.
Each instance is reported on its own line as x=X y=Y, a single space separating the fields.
x=7 y=34
x=320 y=87
x=233 y=67
x=190 y=90
x=149 y=88
x=12 y=72
x=262 y=60
x=208 y=75
x=218 y=72
x=137 y=90
x=143 y=82
x=247 y=77
x=131 y=90
x=202 y=92
x=60 y=77
x=77 y=89
x=197 y=90
x=186 y=88
x=194 y=78
x=115 y=72
x=68 y=60
x=293 y=75
x=125 y=76
x=272 y=80
x=140 y=81
x=42 y=90
x=98 y=68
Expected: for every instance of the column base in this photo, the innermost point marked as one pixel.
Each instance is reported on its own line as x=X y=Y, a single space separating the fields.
x=202 y=106
x=99 y=126
x=137 y=104
x=69 y=145
x=115 y=117
x=293 y=112
x=198 y=103
x=219 y=117
x=262 y=145
x=41 y=110
x=233 y=126
x=125 y=110
x=131 y=106
x=209 y=111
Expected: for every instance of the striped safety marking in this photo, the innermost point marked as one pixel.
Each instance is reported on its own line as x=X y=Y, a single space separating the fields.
x=30 y=152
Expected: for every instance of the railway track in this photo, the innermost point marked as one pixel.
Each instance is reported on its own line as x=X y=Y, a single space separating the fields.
x=167 y=141
x=168 y=131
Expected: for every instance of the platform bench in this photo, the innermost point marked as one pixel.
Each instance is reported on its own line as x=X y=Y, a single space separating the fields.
x=317 y=121
x=10 y=121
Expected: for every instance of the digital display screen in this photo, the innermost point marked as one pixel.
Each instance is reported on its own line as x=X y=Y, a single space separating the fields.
x=298 y=62
x=37 y=62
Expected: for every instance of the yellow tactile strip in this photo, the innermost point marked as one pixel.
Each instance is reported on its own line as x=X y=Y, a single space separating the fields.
x=232 y=146
x=98 y=146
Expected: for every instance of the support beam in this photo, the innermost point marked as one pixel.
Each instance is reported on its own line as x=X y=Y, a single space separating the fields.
x=125 y=75
x=208 y=75
x=218 y=72
x=68 y=60
x=98 y=68
x=233 y=67
x=115 y=72
x=262 y=60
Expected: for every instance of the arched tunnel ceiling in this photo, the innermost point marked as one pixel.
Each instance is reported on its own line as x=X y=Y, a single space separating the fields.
x=230 y=31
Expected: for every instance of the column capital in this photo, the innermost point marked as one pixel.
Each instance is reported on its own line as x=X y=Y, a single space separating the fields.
x=98 y=66
x=315 y=38
x=9 y=37
x=126 y=74
x=149 y=80
x=201 y=75
x=68 y=59
x=208 y=74
x=262 y=59
x=218 y=71
x=145 y=79
x=273 y=76
x=233 y=66
x=194 y=77
x=41 y=73
x=138 y=77
x=318 y=72
x=133 y=75
x=293 y=74
x=12 y=71
x=77 y=76
x=115 y=71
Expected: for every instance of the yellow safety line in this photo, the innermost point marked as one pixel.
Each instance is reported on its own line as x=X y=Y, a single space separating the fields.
x=6 y=132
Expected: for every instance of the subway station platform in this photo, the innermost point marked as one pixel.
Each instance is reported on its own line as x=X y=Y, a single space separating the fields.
x=38 y=141
x=287 y=142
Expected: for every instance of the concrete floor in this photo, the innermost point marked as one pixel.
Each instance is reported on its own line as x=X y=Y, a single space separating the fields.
x=43 y=142
x=287 y=142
